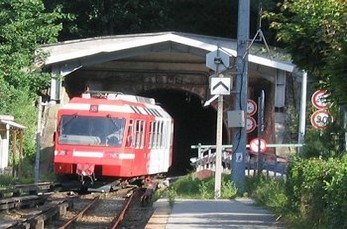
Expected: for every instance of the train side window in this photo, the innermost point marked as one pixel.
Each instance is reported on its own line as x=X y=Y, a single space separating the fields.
x=151 y=135
x=160 y=135
x=129 y=139
x=139 y=133
x=156 y=135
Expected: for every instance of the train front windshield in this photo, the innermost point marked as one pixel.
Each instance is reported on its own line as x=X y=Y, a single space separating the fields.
x=86 y=130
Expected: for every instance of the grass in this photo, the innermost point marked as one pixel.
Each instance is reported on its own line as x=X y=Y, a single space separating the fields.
x=187 y=187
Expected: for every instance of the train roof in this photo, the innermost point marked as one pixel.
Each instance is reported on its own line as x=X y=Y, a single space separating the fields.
x=116 y=102
x=117 y=96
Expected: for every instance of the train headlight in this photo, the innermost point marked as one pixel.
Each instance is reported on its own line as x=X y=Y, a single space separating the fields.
x=60 y=152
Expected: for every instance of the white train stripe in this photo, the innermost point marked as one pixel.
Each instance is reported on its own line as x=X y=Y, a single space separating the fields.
x=86 y=107
x=87 y=154
x=76 y=106
x=114 y=108
x=121 y=156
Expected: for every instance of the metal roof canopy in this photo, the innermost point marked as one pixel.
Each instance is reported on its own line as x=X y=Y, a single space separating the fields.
x=72 y=55
x=7 y=119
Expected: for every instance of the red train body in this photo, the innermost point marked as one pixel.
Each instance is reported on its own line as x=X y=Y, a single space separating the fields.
x=112 y=135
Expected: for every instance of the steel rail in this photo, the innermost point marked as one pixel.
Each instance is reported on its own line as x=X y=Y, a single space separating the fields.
x=118 y=219
x=68 y=223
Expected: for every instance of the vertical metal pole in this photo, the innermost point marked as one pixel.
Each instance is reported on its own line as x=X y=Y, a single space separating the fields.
x=260 y=129
x=302 y=117
x=38 y=141
x=219 y=138
x=241 y=86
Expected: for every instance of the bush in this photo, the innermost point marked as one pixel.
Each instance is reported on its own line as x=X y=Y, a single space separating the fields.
x=268 y=192
x=317 y=191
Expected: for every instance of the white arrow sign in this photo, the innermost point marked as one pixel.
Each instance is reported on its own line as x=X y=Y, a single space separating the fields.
x=208 y=102
x=220 y=86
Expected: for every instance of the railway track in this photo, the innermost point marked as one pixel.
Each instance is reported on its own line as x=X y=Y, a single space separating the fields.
x=98 y=211
x=71 y=210
x=27 y=189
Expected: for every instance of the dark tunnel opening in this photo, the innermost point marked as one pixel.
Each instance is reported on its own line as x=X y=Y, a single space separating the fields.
x=194 y=124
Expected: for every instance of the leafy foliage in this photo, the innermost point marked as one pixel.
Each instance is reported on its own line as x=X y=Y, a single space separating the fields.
x=90 y=18
x=316 y=191
x=328 y=142
x=336 y=74
x=23 y=25
x=268 y=192
x=314 y=33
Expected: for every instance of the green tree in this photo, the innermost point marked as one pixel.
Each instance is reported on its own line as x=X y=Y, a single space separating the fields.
x=91 y=18
x=314 y=33
x=336 y=74
x=24 y=25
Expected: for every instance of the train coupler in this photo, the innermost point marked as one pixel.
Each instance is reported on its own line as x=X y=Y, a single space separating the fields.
x=86 y=170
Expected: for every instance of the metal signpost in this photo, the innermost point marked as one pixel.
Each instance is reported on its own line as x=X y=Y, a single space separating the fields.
x=219 y=85
x=261 y=112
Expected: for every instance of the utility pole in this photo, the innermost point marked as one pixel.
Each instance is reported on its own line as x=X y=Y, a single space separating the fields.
x=241 y=87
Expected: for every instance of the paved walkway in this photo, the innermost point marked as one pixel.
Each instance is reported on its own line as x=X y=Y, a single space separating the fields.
x=238 y=213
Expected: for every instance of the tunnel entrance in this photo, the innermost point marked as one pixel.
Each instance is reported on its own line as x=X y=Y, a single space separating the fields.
x=194 y=124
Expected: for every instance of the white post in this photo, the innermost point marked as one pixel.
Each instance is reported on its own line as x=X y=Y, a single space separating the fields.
x=218 y=173
x=302 y=117
x=38 y=141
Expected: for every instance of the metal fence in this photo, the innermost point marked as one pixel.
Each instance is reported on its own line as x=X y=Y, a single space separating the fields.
x=269 y=163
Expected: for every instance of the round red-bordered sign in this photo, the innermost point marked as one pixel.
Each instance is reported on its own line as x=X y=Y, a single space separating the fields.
x=321 y=119
x=318 y=99
x=255 y=147
x=250 y=124
x=251 y=107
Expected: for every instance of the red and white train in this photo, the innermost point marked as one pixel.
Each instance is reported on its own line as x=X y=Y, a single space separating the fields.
x=105 y=134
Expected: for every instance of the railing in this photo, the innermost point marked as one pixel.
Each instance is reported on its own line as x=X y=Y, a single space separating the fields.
x=269 y=163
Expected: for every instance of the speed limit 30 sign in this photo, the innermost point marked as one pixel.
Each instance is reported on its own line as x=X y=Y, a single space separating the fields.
x=321 y=119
